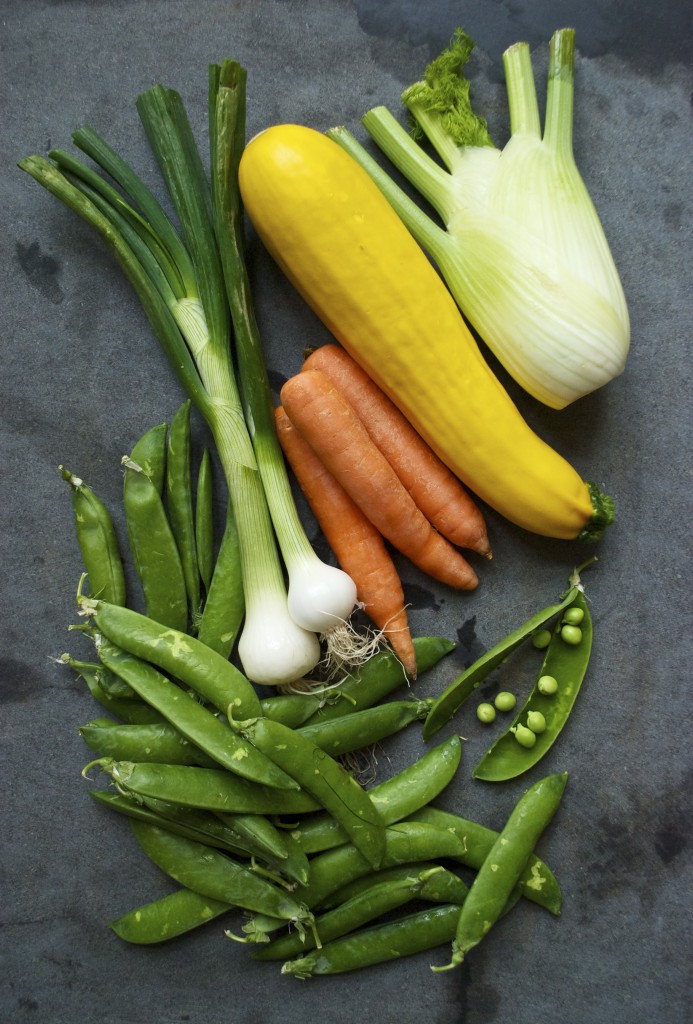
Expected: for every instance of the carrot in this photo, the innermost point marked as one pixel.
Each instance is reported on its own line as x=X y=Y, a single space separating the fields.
x=357 y=545
x=434 y=488
x=335 y=433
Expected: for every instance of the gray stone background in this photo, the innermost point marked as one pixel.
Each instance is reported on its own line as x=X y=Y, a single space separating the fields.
x=82 y=379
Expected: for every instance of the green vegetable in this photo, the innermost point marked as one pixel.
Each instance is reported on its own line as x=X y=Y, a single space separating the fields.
x=573 y=616
x=547 y=685
x=541 y=639
x=464 y=685
x=324 y=779
x=571 y=634
x=166 y=918
x=522 y=248
x=321 y=597
x=395 y=799
x=209 y=789
x=553 y=696
x=505 y=701
x=97 y=541
x=486 y=713
x=179 y=503
x=181 y=287
x=524 y=736
x=392 y=940
x=215 y=875
x=376 y=899
x=154 y=549
x=502 y=869
x=536 y=722
x=192 y=719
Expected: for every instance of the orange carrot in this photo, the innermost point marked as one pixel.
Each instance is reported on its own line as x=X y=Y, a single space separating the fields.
x=357 y=545
x=434 y=488
x=335 y=433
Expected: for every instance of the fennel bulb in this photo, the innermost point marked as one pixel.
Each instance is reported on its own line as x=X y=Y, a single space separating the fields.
x=524 y=253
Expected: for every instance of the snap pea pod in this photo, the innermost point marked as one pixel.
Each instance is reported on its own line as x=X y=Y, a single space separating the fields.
x=356 y=692
x=204 y=520
x=567 y=664
x=442 y=885
x=168 y=917
x=109 y=683
x=156 y=741
x=281 y=851
x=179 y=502
x=204 y=788
x=150 y=454
x=379 y=897
x=178 y=654
x=414 y=933
x=193 y=827
x=252 y=835
x=507 y=859
x=364 y=728
x=454 y=695
x=154 y=549
x=193 y=720
x=395 y=798
x=97 y=541
x=224 y=605
x=130 y=711
x=379 y=677
x=215 y=875
x=406 y=842
x=323 y=778
x=538 y=883
x=292 y=709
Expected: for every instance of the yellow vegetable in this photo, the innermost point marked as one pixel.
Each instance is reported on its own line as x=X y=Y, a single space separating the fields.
x=345 y=250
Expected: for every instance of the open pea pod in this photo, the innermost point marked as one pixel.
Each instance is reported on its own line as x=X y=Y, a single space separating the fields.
x=452 y=698
x=567 y=664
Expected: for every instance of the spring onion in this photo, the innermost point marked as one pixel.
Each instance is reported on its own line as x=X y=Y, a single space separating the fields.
x=180 y=285
x=523 y=250
x=321 y=597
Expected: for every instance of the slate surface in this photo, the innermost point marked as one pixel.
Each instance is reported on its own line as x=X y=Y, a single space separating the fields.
x=82 y=378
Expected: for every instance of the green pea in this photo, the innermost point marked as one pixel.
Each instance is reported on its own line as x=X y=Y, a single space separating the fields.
x=536 y=721
x=541 y=639
x=573 y=616
x=571 y=635
x=486 y=713
x=505 y=701
x=547 y=685
x=524 y=736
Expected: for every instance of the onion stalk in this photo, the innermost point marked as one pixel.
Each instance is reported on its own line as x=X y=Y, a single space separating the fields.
x=180 y=285
x=321 y=597
x=522 y=248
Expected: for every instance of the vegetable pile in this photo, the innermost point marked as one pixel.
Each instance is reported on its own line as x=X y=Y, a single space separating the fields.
x=247 y=796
